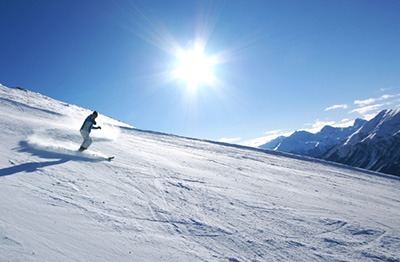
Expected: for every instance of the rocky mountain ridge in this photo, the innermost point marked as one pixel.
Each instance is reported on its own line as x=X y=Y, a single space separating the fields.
x=372 y=144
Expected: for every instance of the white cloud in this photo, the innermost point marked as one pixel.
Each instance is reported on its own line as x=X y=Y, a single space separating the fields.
x=368 y=108
x=370 y=101
x=229 y=140
x=317 y=126
x=365 y=102
x=274 y=133
x=384 y=97
x=343 y=106
x=344 y=123
x=385 y=89
x=368 y=112
x=270 y=135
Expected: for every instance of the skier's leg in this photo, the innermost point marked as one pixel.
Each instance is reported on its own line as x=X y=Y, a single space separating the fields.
x=87 y=141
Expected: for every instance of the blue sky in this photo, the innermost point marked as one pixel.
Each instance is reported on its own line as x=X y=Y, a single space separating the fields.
x=278 y=66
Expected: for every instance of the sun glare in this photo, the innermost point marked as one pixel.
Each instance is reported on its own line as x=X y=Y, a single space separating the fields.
x=195 y=67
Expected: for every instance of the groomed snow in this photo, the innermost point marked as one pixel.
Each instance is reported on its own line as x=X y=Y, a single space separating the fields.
x=169 y=198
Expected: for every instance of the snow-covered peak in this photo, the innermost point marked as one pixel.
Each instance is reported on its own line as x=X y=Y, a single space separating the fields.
x=374 y=146
x=315 y=145
x=384 y=124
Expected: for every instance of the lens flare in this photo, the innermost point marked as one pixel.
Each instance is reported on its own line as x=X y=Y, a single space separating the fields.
x=195 y=67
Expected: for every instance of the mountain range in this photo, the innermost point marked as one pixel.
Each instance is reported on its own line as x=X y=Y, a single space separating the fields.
x=372 y=144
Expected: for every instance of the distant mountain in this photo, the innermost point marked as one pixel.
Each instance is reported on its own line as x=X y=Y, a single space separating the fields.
x=375 y=146
x=314 y=145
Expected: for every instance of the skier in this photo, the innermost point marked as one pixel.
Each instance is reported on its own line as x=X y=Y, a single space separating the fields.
x=85 y=130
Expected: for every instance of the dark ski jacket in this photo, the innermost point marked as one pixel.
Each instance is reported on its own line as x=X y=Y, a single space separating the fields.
x=88 y=124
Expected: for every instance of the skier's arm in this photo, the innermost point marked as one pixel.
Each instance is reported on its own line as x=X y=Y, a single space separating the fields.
x=95 y=127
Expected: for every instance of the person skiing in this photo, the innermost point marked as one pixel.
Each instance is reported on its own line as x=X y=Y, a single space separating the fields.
x=87 y=126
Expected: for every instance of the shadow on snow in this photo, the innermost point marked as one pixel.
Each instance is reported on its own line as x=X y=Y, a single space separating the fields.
x=57 y=159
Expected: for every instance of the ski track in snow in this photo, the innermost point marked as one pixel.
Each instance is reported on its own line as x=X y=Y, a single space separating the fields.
x=169 y=198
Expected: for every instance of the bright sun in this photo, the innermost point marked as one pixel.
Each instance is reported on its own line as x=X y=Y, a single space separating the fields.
x=195 y=68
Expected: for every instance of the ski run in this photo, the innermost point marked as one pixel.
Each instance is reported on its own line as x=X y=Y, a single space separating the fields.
x=171 y=198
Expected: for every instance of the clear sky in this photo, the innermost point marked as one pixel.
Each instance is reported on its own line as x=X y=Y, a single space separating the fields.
x=235 y=70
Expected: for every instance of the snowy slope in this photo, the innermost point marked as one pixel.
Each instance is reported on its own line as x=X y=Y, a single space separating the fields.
x=168 y=198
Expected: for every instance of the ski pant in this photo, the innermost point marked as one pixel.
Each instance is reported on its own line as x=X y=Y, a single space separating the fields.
x=87 y=141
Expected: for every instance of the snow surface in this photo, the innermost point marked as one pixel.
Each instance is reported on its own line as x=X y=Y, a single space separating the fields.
x=170 y=198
